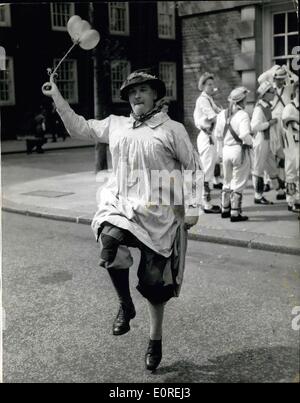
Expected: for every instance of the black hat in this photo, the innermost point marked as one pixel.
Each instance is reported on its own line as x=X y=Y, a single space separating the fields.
x=140 y=77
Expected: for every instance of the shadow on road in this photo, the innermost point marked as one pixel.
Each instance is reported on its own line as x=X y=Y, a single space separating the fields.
x=274 y=364
x=259 y=218
x=267 y=207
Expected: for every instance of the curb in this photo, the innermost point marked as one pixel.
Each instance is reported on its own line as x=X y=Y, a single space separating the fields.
x=48 y=149
x=246 y=243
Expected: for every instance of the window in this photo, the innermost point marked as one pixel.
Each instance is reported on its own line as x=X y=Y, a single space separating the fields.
x=167 y=73
x=120 y=69
x=5 y=15
x=166 y=19
x=118 y=18
x=7 y=86
x=60 y=14
x=285 y=37
x=2 y=58
x=67 y=80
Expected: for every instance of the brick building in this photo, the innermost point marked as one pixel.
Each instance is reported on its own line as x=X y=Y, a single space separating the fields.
x=236 y=40
x=134 y=35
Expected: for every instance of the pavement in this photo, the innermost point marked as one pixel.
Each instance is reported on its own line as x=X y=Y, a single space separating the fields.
x=19 y=145
x=72 y=197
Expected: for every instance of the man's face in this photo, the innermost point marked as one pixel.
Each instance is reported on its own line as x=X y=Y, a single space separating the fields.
x=142 y=98
x=209 y=86
x=279 y=82
x=269 y=95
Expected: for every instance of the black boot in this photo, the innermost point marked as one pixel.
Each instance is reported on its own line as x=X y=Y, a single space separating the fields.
x=153 y=354
x=225 y=214
x=238 y=218
x=121 y=323
x=262 y=200
x=213 y=210
x=120 y=279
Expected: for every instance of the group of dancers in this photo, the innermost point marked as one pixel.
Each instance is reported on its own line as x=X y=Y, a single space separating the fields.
x=265 y=145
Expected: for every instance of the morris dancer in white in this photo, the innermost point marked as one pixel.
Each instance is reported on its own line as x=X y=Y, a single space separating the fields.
x=233 y=134
x=290 y=120
x=282 y=79
x=205 y=115
x=264 y=159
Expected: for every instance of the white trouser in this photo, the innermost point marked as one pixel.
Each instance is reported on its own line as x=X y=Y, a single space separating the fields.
x=291 y=152
x=208 y=155
x=208 y=159
x=264 y=159
x=236 y=175
x=276 y=133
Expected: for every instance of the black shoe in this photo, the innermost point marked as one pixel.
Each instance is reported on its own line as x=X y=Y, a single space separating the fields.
x=213 y=210
x=225 y=214
x=238 y=218
x=121 y=323
x=153 y=354
x=218 y=186
x=267 y=188
x=281 y=196
x=262 y=201
x=290 y=208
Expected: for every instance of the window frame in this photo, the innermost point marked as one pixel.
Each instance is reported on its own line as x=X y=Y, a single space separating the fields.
x=268 y=10
x=173 y=97
x=7 y=18
x=12 y=95
x=75 y=99
x=57 y=27
x=128 y=65
x=126 y=32
x=286 y=34
x=172 y=35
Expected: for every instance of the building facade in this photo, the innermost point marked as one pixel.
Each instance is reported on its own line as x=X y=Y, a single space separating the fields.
x=237 y=41
x=34 y=37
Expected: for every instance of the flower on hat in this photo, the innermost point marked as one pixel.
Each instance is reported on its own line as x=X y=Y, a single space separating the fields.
x=280 y=73
x=238 y=94
x=264 y=87
x=140 y=74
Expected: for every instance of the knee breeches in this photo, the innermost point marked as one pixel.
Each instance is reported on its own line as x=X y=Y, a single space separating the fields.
x=154 y=272
x=208 y=155
x=264 y=159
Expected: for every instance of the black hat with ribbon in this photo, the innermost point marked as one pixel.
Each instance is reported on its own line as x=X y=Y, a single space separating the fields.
x=142 y=77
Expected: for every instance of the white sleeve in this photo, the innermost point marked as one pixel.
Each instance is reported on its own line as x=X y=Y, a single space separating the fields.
x=208 y=109
x=197 y=114
x=245 y=129
x=78 y=126
x=292 y=77
x=258 y=121
x=268 y=75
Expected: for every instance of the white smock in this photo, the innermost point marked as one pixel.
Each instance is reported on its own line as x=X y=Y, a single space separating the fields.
x=158 y=144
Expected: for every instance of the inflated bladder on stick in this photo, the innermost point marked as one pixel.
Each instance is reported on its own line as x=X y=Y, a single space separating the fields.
x=89 y=39
x=77 y=27
x=81 y=34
